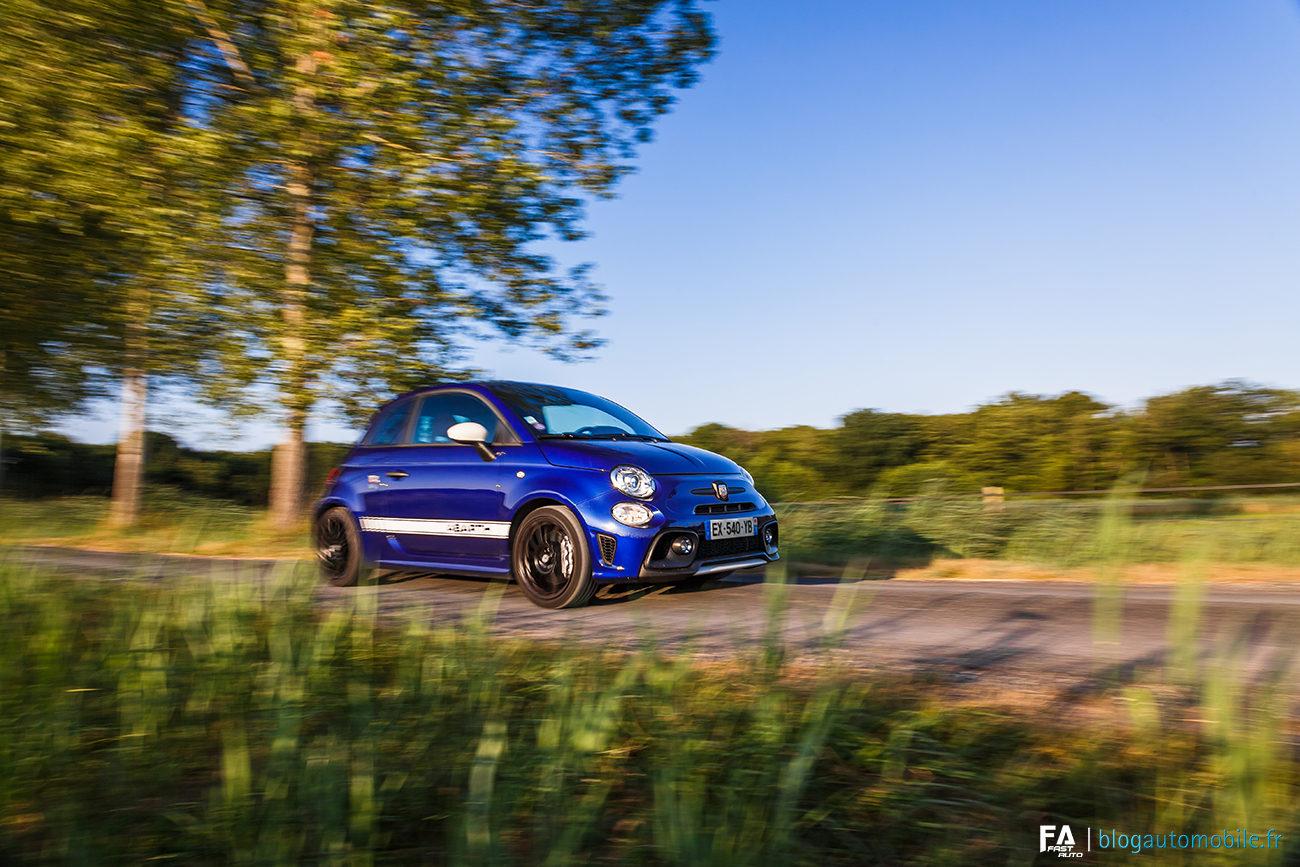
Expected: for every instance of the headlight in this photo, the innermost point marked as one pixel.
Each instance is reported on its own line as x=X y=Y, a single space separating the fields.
x=744 y=472
x=632 y=514
x=633 y=481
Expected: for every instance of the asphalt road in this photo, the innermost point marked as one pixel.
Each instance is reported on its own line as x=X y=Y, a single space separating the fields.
x=961 y=629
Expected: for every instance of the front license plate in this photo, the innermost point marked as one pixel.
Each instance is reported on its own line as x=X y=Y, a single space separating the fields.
x=731 y=528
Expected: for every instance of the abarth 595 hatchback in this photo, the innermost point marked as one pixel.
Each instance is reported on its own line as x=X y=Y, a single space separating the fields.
x=560 y=489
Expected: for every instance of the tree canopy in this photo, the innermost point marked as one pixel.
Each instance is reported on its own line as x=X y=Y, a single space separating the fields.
x=336 y=194
x=1226 y=434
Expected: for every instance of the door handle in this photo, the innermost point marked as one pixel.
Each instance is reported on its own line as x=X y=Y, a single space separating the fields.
x=397 y=474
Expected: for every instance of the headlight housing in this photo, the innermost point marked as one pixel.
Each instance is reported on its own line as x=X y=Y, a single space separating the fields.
x=633 y=481
x=632 y=514
x=744 y=472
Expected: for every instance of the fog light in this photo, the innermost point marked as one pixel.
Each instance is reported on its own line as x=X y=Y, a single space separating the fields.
x=632 y=514
x=769 y=536
x=683 y=545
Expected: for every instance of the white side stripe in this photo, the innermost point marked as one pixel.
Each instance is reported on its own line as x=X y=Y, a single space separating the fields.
x=422 y=527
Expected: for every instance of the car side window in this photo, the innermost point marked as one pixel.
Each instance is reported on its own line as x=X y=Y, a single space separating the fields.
x=441 y=411
x=389 y=429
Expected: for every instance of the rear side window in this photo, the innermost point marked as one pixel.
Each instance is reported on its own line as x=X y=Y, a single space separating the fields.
x=389 y=429
x=441 y=411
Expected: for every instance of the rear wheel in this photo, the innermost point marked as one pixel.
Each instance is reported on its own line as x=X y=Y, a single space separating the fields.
x=550 y=559
x=338 y=547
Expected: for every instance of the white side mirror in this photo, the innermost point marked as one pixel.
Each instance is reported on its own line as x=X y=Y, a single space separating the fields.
x=471 y=433
x=467 y=432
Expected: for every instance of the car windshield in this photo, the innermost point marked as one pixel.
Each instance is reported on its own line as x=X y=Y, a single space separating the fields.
x=551 y=411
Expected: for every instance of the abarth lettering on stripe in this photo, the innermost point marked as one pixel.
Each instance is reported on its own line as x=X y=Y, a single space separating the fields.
x=422 y=527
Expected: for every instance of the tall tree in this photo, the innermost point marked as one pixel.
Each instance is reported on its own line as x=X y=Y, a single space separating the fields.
x=395 y=164
x=93 y=209
x=53 y=248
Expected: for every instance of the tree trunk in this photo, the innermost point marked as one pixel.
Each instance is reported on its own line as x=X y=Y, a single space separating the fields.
x=288 y=472
x=289 y=462
x=128 y=469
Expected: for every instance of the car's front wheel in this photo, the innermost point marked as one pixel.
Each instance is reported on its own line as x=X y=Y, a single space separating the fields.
x=338 y=547
x=550 y=559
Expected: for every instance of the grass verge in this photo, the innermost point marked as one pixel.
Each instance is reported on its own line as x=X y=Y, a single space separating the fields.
x=171 y=522
x=937 y=537
x=1056 y=534
x=233 y=722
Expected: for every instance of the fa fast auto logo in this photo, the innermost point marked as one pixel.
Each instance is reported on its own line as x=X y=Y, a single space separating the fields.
x=1061 y=841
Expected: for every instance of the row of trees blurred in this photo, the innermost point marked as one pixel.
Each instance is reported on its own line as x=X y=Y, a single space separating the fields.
x=50 y=465
x=1234 y=433
x=1229 y=434
x=284 y=205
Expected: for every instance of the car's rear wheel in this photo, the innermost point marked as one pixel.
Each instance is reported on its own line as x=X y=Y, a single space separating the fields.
x=338 y=547
x=550 y=559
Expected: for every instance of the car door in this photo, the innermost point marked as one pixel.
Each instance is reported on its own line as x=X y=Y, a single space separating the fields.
x=383 y=449
x=448 y=508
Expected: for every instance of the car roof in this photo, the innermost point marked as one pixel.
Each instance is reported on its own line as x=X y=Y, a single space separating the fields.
x=480 y=385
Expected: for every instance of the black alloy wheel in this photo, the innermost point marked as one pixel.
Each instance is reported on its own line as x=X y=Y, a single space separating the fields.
x=338 y=547
x=550 y=560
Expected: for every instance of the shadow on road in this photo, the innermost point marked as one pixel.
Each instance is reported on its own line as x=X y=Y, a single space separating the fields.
x=606 y=594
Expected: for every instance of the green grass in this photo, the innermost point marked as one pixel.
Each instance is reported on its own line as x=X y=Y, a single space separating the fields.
x=234 y=722
x=1057 y=533
x=171 y=521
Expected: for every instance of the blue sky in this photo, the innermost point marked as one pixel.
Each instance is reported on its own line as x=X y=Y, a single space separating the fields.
x=921 y=206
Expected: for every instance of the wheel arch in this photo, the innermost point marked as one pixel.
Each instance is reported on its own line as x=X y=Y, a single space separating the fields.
x=323 y=505
x=532 y=505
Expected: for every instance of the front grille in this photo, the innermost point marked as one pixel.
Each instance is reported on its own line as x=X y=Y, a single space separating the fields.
x=723 y=508
x=708 y=492
x=712 y=548
x=608 y=547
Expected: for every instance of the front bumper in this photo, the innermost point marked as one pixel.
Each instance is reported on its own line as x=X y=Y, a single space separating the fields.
x=708 y=557
x=621 y=553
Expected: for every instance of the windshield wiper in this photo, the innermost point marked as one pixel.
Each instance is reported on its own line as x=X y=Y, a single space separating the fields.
x=617 y=436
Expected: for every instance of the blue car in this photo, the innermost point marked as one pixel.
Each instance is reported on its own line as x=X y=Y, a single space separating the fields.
x=560 y=489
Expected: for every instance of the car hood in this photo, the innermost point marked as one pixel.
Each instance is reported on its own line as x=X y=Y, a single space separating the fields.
x=657 y=459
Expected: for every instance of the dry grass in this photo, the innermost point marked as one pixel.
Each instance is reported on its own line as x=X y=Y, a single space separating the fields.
x=1133 y=573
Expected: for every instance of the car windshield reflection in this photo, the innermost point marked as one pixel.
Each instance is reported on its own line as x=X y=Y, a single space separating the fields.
x=553 y=412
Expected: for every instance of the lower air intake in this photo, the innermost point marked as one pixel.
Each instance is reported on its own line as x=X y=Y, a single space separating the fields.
x=730 y=547
x=608 y=547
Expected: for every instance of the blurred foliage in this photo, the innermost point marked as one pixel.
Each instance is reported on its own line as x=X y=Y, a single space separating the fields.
x=388 y=167
x=98 y=198
x=306 y=201
x=233 y=721
x=1227 y=434
x=49 y=465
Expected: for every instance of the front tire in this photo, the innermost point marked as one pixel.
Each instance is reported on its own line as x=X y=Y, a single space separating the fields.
x=338 y=547
x=550 y=560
